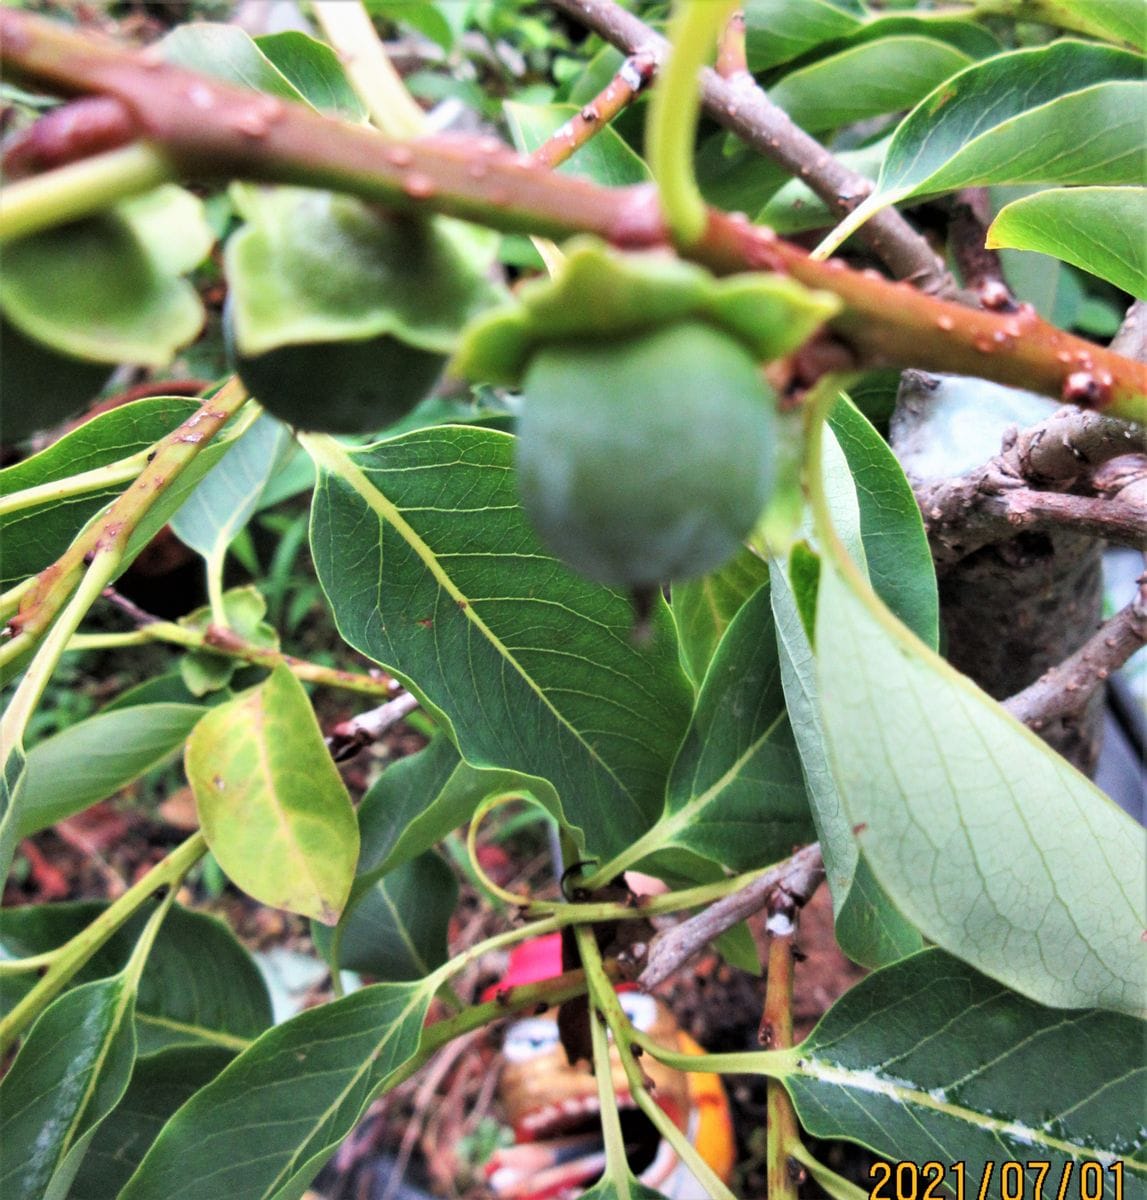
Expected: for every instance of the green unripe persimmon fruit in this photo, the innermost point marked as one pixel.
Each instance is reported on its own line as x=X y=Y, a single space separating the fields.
x=338 y=387
x=647 y=458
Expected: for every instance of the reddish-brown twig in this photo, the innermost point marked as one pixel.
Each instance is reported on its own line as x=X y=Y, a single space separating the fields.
x=632 y=78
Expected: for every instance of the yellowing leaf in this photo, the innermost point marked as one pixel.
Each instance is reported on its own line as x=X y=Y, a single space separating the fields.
x=271 y=804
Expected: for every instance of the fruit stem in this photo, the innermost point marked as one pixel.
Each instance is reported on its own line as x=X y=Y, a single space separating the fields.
x=673 y=113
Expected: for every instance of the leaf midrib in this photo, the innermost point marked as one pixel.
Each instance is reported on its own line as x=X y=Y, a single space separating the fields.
x=229 y=1041
x=393 y=1029
x=352 y=474
x=871 y=1084
x=303 y=861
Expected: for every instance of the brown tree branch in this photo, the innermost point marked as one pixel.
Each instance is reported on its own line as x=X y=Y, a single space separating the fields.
x=994 y=518
x=1035 y=482
x=979 y=267
x=794 y=880
x=1063 y=692
x=1008 y=495
x=207 y=130
x=349 y=737
x=635 y=74
x=743 y=108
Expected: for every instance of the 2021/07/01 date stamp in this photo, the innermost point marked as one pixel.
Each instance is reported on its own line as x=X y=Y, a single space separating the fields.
x=1012 y=1180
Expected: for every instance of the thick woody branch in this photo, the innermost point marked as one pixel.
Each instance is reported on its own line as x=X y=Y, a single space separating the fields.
x=997 y=518
x=204 y=129
x=743 y=108
x=1009 y=494
x=1064 y=691
x=792 y=882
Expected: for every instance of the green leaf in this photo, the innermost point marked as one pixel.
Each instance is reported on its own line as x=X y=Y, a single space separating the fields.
x=966 y=34
x=265 y=1125
x=606 y=158
x=34 y=537
x=114 y=748
x=199 y=986
x=929 y=1060
x=876 y=514
x=394 y=928
x=272 y=806
x=171 y=225
x=13 y=776
x=229 y=493
x=736 y=795
x=159 y=1084
x=869 y=928
x=630 y=1189
x=71 y=1071
x=314 y=70
x=226 y=52
x=96 y=289
x=866 y=80
x=1115 y=20
x=989 y=842
x=168 y=688
x=1067 y=113
x=777 y=31
x=1099 y=229
x=443 y=23
x=896 y=551
x=704 y=607
x=431 y=570
x=417 y=801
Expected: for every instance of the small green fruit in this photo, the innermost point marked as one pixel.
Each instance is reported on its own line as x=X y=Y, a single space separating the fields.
x=338 y=387
x=648 y=458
